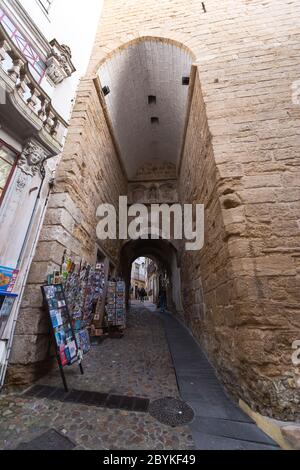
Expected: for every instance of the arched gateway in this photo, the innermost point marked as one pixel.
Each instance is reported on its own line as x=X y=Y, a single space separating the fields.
x=147 y=123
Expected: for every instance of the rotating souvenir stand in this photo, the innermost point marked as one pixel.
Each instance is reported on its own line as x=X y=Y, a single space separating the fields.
x=116 y=306
x=65 y=340
x=94 y=295
x=120 y=304
x=98 y=317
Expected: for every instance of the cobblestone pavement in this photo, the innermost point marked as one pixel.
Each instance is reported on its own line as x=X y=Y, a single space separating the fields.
x=139 y=364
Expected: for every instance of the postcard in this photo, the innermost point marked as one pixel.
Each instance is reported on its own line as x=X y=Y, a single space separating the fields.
x=69 y=336
x=84 y=341
x=50 y=292
x=72 y=349
x=54 y=318
x=68 y=356
x=61 y=338
x=53 y=303
x=77 y=314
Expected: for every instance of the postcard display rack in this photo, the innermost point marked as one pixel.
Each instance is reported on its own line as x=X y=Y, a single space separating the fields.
x=116 y=305
x=71 y=302
x=85 y=291
x=67 y=348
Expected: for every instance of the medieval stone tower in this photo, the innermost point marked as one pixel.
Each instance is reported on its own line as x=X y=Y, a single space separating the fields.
x=192 y=102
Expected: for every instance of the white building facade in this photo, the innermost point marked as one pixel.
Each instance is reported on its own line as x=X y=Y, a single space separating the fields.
x=45 y=46
x=138 y=277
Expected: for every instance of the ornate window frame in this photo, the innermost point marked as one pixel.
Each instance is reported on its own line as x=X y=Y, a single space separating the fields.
x=34 y=59
x=13 y=168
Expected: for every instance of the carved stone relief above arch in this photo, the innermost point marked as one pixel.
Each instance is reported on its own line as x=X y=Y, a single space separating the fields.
x=153 y=171
x=153 y=193
x=168 y=191
x=137 y=193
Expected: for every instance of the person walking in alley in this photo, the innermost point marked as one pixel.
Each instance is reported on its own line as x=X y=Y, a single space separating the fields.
x=162 y=300
x=142 y=294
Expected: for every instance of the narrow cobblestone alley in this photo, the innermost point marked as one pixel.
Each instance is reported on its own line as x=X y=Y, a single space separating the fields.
x=149 y=225
x=139 y=364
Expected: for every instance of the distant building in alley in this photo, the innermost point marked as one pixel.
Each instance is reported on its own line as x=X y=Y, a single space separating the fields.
x=138 y=277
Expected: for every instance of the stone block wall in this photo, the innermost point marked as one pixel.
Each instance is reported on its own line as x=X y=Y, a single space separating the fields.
x=207 y=277
x=89 y=173
x=240 y=314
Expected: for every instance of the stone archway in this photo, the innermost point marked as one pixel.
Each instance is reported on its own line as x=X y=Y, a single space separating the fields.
x=223 y=299
x=235 y=290
x=165 y=254
x=99 y=57
x=144 y=88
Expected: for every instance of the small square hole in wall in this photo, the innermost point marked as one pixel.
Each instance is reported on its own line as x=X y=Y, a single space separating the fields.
x=155 y=120
x=106 y=90
x=185 y=80
x=151 y=99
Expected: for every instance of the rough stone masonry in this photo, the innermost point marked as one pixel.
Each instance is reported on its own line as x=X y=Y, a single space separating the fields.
x=240 y=158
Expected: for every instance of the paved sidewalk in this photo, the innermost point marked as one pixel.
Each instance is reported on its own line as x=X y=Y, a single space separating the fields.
x=219 y=423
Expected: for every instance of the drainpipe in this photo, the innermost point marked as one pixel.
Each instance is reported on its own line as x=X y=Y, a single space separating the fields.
x=16 y=307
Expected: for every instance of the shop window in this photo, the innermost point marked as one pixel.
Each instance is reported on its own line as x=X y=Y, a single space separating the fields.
x=8 y=160
x=36 y=65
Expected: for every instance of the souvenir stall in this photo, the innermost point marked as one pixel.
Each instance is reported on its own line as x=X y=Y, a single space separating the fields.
x=81 y=304
x=85 y=293
x=116 y=308
x=84 y=289
x=68 y=349
x=70 y=297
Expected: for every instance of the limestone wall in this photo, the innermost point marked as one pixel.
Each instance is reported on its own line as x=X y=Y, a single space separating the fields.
x=234 y=313
x=207 y=287
x=89 y=173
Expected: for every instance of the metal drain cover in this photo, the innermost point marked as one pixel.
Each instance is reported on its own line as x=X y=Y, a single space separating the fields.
x=171 y=411
x=50 y=440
